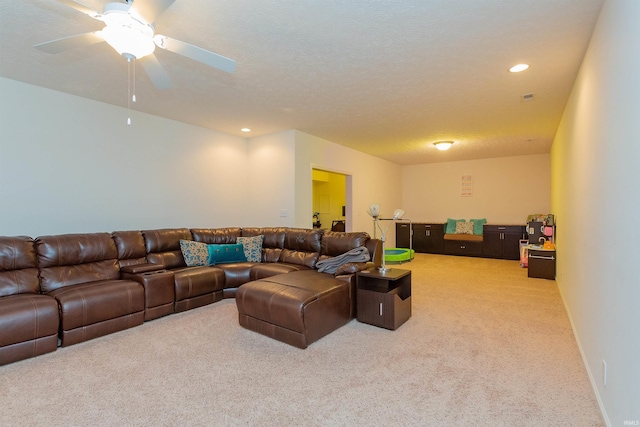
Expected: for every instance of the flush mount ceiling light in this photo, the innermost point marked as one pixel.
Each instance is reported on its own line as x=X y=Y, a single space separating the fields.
x=519 y=67
x=443 y=145
x=245 y=130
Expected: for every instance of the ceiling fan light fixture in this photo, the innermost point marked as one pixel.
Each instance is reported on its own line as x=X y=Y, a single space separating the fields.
x=125 y=33
x=443 y=145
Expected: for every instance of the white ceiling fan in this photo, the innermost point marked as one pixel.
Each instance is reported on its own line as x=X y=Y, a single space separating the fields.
x=130 y=30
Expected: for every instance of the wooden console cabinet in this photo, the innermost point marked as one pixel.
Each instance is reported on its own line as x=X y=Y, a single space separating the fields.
x=425 y=237
x=502 y=241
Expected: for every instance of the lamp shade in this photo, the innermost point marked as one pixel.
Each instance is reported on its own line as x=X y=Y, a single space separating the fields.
x=397 y=214
x=374 y=210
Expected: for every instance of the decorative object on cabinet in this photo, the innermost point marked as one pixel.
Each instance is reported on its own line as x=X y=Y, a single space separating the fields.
x=374 y=212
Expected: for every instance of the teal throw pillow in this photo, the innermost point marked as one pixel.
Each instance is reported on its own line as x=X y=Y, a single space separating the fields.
x=195 y=254
x=252 y=247
x=477 y=225
x=451 y=225
x=220 y=254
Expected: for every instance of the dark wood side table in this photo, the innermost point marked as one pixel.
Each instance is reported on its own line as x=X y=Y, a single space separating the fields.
x=384 y=299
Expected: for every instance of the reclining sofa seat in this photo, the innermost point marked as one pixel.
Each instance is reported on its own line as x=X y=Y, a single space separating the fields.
x=28 y=320
x=194 y=286
x=81 y=272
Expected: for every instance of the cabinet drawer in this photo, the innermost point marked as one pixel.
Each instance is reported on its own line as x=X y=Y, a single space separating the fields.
x=386 y=310
x=457 y=247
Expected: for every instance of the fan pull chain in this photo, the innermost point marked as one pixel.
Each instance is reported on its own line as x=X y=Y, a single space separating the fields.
x=129 y=91
x=133 y=98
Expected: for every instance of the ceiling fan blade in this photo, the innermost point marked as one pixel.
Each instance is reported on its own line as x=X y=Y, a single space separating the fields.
x=196 y=53
x=71 y=42
x=81 y=8
x=149 y=10
x=156 y=73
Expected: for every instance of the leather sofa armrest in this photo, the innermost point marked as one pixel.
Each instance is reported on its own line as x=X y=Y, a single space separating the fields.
x=354 y=267
x=140 y=268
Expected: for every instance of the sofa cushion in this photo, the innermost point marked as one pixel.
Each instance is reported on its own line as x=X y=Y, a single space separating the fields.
x=94 y=302
x=337 y=243
x=71 y=259
x=27 y=317
x=165 y=239
x=269 y=269
x=307 y=259
x=18 y=274
x=195 y=254
x=130 y=247
x=192 y=282
x=273 y=236
x=74 y=249
x=464 y=227
x=478 y=225
x=216 y=235
x=252 y=247
x=450 y=227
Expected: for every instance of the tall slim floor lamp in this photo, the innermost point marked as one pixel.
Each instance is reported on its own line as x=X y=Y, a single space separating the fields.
x=374 y=212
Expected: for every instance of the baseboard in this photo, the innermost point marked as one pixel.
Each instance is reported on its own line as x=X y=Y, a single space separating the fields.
x=592 y=378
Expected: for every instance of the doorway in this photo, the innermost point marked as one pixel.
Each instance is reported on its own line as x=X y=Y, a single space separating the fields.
x=329 y=200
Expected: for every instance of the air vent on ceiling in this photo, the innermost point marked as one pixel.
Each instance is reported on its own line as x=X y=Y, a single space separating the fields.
x=527 y=97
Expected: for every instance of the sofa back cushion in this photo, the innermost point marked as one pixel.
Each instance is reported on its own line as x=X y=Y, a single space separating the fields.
x=337 y=243
x=130 y=247
x=18 y=272
x=163 y=246
x=217 y=236
x=272 y=243
x=301 y=246
x=69 y=259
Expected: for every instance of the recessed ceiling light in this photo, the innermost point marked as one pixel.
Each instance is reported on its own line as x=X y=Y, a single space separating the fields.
x=518 y=68
x=245 y=130
x=443 y=145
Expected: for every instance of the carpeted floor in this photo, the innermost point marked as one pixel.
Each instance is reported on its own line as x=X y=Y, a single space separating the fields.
x=486 y=346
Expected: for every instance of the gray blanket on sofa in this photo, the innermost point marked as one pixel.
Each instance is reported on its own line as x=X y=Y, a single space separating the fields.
x=330 y=265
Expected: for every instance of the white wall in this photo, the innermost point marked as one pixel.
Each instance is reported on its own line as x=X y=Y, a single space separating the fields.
x=505 y=190
x=595 y=194
x=271 y=190
x=372 y=180
x=69 y=164
x=72 y=165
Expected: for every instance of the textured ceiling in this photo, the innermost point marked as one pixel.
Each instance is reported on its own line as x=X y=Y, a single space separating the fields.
x=384 y=77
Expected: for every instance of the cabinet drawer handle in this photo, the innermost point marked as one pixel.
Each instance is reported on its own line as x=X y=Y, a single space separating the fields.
x=542 y=257
x=380 y=309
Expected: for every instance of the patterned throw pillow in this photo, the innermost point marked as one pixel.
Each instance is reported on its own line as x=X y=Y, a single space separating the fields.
x=464 y=228
x=195 y=254
x=252 y=247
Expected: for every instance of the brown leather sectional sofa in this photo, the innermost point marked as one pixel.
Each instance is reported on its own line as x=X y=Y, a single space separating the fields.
x=65 y=289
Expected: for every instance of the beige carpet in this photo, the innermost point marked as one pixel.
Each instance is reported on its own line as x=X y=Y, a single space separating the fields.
x=486 y=346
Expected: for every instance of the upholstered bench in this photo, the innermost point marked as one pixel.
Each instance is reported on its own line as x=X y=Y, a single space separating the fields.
x=297 y=308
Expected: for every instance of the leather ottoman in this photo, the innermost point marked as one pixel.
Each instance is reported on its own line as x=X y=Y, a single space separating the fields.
x=296 y=308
